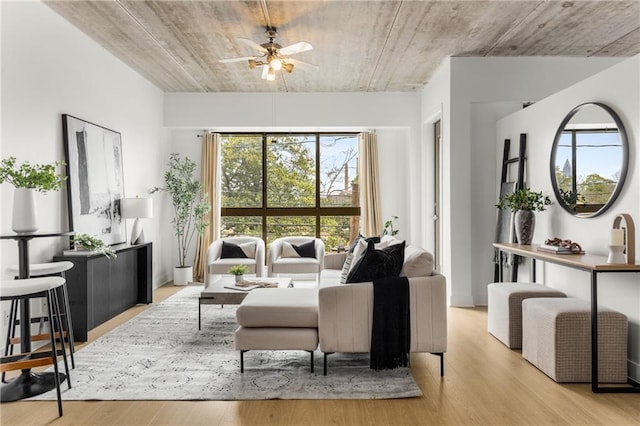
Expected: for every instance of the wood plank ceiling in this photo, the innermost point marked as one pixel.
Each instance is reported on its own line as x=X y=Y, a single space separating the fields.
x=358 y=45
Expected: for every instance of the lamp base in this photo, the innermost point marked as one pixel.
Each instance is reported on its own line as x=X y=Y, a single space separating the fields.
x=616 y=254
x=137 y=233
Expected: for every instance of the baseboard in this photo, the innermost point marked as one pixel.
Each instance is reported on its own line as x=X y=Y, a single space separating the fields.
x=461 y=300
x=481 y=299
x=633 y=370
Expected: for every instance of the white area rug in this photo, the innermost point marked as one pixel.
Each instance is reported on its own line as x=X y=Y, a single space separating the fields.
x=161 y=355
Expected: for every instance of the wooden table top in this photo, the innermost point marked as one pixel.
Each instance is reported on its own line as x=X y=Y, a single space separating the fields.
x=591 y=262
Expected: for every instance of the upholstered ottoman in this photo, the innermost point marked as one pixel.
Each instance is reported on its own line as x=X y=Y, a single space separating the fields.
x=278 y=319
x=505 y=309
x=556 y=338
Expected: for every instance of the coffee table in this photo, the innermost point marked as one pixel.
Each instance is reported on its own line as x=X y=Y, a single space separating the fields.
x=217 y=294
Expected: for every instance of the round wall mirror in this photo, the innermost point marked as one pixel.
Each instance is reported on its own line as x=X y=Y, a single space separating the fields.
x=589 y=160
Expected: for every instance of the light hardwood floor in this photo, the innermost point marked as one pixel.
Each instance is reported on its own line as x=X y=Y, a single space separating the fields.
x=485 y=383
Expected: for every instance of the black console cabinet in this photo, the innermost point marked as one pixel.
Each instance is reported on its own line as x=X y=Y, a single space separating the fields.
x=100 y=288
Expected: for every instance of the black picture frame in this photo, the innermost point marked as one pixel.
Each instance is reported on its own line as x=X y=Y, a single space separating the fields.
x=95 y=184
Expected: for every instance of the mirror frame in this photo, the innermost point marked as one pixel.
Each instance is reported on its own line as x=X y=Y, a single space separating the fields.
x=624 y=166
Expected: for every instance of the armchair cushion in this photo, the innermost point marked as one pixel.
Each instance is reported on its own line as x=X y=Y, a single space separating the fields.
x=375 y=263
x=238 y=251
x=307 y=249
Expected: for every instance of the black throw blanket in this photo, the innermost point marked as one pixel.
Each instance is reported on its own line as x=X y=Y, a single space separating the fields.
x=391 y=330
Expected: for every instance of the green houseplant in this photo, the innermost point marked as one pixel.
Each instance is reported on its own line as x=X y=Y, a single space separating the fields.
x=190 y=208
x=524 y=202
x=87 y=242
x=388 y=227
x=238 y=271
x=27 y=179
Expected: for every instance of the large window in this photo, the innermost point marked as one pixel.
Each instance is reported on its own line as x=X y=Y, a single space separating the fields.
x=276 y=185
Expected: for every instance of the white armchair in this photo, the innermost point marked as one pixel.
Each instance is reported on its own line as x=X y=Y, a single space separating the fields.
x=280 y=260
x=218 y=265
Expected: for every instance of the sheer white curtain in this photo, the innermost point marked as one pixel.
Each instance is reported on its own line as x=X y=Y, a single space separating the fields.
x=370 y=212
x=210 y=178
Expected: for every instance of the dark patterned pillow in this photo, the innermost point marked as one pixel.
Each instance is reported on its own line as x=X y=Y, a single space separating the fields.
x=351 y=258
x=386 y=262
x=357 y=239
x=235 y=251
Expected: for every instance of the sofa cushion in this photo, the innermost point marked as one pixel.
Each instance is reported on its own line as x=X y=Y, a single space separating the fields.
x=238 y=251
x=386 y=262
x=279 y=307
x=307 y=249
x=417 y=262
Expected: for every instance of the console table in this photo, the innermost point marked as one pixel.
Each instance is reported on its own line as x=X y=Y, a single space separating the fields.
x=101 y=288
x=593 y=264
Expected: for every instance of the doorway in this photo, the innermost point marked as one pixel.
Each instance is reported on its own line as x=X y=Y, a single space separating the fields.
x=437 y=142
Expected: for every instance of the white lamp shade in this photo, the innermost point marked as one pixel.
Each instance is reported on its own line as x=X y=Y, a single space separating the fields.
x=134 y=208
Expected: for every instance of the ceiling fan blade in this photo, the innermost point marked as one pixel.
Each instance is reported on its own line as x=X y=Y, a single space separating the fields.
x=301 y=64
x=229 y=60
x=301 y=46
x=252 y=44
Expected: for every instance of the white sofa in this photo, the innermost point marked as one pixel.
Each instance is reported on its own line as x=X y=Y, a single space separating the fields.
x=345 y=311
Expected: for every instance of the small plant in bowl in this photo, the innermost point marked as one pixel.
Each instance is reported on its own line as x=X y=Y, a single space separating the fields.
x=238 y=271
x=87 y=242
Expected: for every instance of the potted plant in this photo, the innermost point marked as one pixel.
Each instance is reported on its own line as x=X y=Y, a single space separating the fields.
x=93 y=244
x=388 y=227
x=27 y=179
x=239 y=271
x=190 y=208
x=524 y=202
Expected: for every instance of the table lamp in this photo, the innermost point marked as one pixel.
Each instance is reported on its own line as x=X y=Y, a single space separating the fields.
x=137 y=208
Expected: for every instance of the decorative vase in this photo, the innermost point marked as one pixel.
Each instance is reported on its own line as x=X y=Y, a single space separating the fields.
x=182 y=275
x=239 y=278
x=25 y=217
x=525 y=223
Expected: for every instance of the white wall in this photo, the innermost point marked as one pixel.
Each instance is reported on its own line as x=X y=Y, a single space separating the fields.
x=619 y=88
x=394 y=116
x=457 y=86
x=50 y=68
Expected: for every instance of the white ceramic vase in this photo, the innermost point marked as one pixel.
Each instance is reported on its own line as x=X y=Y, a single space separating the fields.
x=239 y=278
x=25 y=216
x=182 y=276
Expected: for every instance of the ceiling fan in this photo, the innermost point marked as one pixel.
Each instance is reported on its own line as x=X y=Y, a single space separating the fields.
x=272 y=57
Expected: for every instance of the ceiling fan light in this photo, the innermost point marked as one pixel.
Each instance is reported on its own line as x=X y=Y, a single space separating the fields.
x=287 y=67
x=276 y=64
x=271 y=74
x=252 y=63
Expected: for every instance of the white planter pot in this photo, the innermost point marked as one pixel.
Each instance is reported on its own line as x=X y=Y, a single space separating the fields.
x=25 y=217
x=239 y=278
x=182 y=276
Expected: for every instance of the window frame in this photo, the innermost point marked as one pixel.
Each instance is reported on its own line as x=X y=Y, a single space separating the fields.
x=264 y=212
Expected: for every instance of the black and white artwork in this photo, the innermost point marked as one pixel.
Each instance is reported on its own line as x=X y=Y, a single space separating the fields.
x=95 y=185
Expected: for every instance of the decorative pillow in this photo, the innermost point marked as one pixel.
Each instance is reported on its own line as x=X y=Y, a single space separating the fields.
x=346 y=267
x=303 y=250
x=417 y=262
x=386 y=262
x=354 y=253
x=238 y=251
x=359 y=237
